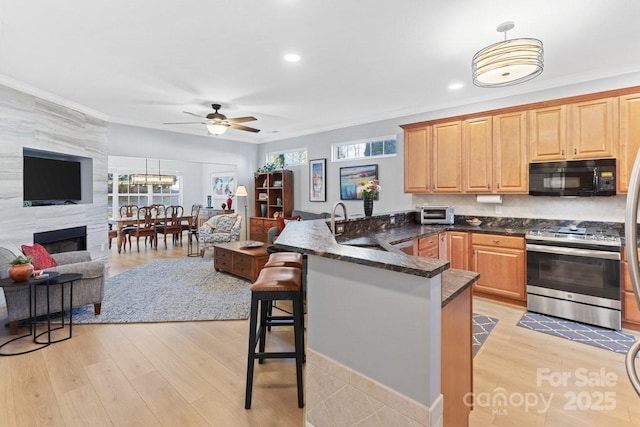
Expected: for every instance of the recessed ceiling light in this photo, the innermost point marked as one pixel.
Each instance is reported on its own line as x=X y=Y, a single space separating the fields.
x=454 y=86
x=292 y=57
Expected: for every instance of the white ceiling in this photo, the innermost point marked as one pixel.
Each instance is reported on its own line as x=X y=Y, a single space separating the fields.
x=144 y=62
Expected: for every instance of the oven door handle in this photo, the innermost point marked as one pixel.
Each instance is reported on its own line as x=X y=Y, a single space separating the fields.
x=559 y=250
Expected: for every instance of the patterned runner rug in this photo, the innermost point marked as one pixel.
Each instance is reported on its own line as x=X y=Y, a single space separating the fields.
x=170 y=290
x=587 y=334
x=482 y=327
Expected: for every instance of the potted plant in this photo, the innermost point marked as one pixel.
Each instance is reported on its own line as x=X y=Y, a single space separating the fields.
x=21 y=268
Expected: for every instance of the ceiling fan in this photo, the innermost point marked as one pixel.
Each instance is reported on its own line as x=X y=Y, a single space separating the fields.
x=218 y=123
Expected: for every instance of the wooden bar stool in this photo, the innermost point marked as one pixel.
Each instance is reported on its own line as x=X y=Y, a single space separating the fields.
x=275 y=284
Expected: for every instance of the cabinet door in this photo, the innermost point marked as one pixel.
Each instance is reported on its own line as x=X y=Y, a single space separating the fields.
x=593 y=128
x=417 y=158
x=548 y=134
x=256 y=229
x=502 y=271
x=447 y=158
x=510 y=166
x=477 y=155
x=458 y=249
x=629 y=141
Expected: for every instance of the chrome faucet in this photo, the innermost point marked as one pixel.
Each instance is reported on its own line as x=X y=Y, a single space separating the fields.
x=333 y=216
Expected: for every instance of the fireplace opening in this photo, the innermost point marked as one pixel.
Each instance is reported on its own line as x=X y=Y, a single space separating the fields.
x=63 y=240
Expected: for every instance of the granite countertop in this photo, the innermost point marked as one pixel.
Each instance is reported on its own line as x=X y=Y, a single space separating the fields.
x=377 y=249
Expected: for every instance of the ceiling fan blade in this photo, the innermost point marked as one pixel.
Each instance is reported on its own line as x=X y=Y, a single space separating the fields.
x=185 y=123
x=193 y=114
x=241 y=119
x=240 y=127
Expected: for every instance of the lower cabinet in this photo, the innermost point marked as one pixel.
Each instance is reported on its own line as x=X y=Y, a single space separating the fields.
x=429 y=247
x=456 y=359
x=630 y=311
x=501 y=262
x=458 y=249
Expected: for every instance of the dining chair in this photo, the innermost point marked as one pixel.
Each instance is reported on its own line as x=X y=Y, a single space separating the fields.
x=146 y=225
x=172 y=223
x=192 y=226
x=113 y=234
x=128 y=211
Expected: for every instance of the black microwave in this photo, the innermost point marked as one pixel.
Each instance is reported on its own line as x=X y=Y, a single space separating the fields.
x=577 y=178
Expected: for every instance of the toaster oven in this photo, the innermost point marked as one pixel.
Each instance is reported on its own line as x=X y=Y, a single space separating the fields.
x=434 y=215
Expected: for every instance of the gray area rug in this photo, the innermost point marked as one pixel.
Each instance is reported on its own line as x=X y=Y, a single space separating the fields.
x=482 y=327
x=579 y=332
x=171 y=290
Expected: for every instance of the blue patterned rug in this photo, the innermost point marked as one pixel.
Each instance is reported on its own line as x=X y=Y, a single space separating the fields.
x=482 y=327
x=579 y=332
x=171 y=290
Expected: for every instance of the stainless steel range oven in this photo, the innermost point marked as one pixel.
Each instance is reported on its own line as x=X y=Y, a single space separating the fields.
x=574 y=273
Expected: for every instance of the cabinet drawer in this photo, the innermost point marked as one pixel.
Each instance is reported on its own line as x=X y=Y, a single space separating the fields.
x=497 y=240
x=630 y=310
x=430 y=252
x=241 y=261
x=425 y=242
x=222 y=255
x=221 y=263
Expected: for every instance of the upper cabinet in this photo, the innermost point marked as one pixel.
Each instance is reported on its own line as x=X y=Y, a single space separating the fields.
x=510 y=153
x=446 y=158
x=490 y=152
x=578 y=131
x=593 y=128
x=548 y=134
x=629 y=138
x=477 y=146
x=417 y=159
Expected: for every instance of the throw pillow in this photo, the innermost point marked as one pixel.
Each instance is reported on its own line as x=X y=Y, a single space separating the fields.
x=211 y=222
x=284 y=220
x=40 y=258
x=225 y=223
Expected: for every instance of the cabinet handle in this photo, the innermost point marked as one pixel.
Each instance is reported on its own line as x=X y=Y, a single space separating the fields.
x=575 y=151
x=488 y=187
x=496 y=241
x=433 y=186
x=562 y=152
x=498 y=185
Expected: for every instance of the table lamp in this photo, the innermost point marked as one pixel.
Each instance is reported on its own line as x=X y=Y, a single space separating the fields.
x=241 y=191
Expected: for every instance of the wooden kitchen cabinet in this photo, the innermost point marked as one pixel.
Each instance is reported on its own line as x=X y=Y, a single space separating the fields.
x=417 y=160
x=510 y=166
x=477 y=144
x=593 y=128
x=548 y=134
x=630 y=310
x=427 y=247
x=458 y=249
x=501 y=262
x=629 y=138
x=446 y=159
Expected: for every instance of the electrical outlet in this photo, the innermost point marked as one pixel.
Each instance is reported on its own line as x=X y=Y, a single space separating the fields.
x=102 y=247
x=392 y=220
x=498 y=209
x=339 y=228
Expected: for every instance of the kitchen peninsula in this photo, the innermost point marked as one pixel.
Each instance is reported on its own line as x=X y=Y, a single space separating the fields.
x=376 y=325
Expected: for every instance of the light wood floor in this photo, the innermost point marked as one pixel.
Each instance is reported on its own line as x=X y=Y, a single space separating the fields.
x=193 y=373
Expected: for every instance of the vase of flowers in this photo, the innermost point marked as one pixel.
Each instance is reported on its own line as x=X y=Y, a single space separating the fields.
x=21 y=268
x=229 y=199
x=369 y=190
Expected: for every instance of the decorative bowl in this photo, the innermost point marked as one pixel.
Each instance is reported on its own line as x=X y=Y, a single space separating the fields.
x=476 y=223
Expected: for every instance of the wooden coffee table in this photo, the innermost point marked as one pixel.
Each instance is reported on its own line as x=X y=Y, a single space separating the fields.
x=242 y=261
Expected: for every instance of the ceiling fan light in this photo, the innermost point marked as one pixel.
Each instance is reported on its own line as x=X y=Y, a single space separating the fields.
x=216 y=128
x=508 y=63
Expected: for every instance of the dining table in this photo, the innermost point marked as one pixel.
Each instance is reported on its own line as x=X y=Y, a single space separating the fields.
x=121 y=222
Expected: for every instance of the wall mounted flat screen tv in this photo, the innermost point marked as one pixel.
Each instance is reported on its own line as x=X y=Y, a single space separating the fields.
x=51 y=180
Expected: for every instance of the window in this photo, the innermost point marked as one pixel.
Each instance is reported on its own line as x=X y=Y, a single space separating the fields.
x=126 y=193
x=375 y=147
x=297 y=156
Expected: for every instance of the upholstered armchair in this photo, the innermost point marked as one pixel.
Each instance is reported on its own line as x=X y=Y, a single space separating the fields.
x=88 y=290
x=219 y=229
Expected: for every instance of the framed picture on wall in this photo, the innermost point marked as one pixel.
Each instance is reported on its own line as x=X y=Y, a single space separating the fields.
x=222 y=184
x=351 y=180
x=318 y=180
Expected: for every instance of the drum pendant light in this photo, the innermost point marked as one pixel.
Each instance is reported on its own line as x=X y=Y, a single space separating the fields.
x=509 y=62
